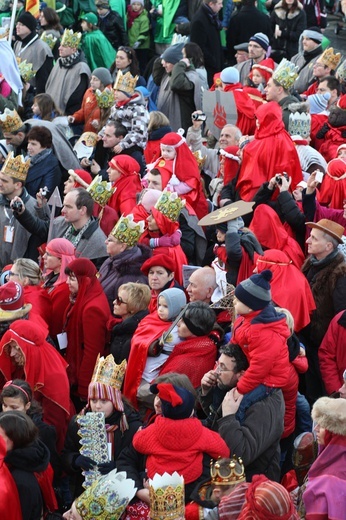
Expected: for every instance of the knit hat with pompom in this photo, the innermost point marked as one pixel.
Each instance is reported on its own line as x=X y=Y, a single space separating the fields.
x=255 y=291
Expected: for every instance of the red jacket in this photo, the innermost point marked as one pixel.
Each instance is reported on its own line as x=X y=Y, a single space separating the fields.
x=178 y=445
x=123 y=199
x=9 y=504
x=88 y=111
x=59 y=297
x=262 y=336
x=332 y=353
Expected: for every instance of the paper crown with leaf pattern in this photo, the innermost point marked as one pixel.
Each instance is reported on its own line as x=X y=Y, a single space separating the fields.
x=25 y=70
x=107 y=498
x=10 y=121
x=329 y=58
x=170 y=205
x=285 y=74
x=125 y=82
x=105 y=98
x=127 y=231
x=49 y=39
x=227 y=471
x=16 y=167
x=108 y=373
x=166 y=494
x=101 y=191
x=299 y=123
x=71 y=39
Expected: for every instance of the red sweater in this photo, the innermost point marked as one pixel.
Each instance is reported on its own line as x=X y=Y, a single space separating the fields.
x=178 y=445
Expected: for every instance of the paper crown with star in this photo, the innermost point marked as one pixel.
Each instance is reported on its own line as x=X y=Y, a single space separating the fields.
x=16 y=167
x=227 y=471
x=166 y=495
x=71 y=39
x=105 y=98
x=49 y=39
x=125 y=82
x=101 y=191
x=170 y=205
x=127 y=231
x=10 y=121
x=285 y=74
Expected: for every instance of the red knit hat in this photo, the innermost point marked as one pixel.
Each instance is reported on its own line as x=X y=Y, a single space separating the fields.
x=176 y=402
x=158 y=260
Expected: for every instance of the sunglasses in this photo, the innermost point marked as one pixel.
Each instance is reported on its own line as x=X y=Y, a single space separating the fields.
x=119 y=300
x=127 y=50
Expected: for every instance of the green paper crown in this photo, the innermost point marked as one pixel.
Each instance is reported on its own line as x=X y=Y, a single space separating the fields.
x=105 y=99
x=170 y=205
x=285 y=74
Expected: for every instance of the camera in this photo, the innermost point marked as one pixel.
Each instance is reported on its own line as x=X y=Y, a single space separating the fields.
x=44 y=192
x=278 y=178
x=199 y=117
x=17 y=206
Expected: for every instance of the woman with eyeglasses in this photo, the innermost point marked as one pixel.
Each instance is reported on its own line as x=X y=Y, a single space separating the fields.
x=28 y=274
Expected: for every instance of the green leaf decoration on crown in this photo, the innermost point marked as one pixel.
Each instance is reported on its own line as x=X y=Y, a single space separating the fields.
x=49 y=39
x=127 y=231
x=105 y=99
x=71 y=39
x=285 y=74
x=170 y=205
x=101 y=191
x=26 y=71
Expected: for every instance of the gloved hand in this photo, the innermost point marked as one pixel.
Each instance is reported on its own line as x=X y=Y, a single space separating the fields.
x=234 y=225
x=136 y=45
x=106 y=467
x=166 y=240
x=84 y=462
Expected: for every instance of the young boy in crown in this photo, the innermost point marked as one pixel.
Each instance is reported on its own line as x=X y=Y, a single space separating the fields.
x=130 y=110
x=89 y=113
x=122 y=421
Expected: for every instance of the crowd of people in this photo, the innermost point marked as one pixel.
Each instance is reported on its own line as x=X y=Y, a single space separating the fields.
x=173 y=261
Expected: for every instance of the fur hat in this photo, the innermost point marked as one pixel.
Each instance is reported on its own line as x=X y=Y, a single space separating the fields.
x=255 y=291
x=176 y=402
x=175 y=299
x=330 y=414
x=28 y=20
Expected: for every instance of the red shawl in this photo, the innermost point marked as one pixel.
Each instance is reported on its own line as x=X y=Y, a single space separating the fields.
x=333 y=189
x=271 y=234
x=192 y=357
x=124 y=198
x=40 y=301
x=245 y=108
x=289 y=287
x=149 y=329
x=10 y=508
x=272 y=151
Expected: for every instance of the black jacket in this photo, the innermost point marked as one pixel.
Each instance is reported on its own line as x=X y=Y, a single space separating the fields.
x=122 y=334
x=23 y=462
x=112 y=27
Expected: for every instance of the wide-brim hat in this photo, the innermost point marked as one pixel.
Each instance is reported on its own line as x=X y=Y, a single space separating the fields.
x=15 y=314
x=333 y=229
x=229 y=212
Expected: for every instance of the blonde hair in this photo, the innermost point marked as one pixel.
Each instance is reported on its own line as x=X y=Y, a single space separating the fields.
x=289 y=318
x=138 y=296
x=28 y=269
x=157 y=120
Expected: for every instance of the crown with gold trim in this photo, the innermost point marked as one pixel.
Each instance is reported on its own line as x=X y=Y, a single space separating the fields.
x=166 y=494
x=329 y=59
x=16 y=167
x=108 y=373
x=101 y=191
x=10 y=121
x=49 y=39
x=25 y=70
x=299 y=123
x=199 y=158
x=285 y=74
x=71 y=39
x=170 y=205
x=125 y=82
x=227 y=471
x=107 y=498
x=105 y=99
x=127 y=231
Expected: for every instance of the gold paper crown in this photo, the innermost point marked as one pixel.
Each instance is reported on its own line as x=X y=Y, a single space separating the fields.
x=127 y=231
x=227 y=471
x=107 y=498
x=166 y=494
x=88 y=139
x=10 y=121
x=25 y=70
x=71 y=39
x=329 y=59
x=285 y=74
x=105 y=99
x=170 y=205
x=107 y=372
x=125 y=82
x=199 y=158
x=49 y=39
x=299 y=124
x=16 y=167
x=101 y=191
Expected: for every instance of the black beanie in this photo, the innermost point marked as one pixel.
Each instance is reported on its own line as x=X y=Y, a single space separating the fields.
x=255 y=291
x=28 y=20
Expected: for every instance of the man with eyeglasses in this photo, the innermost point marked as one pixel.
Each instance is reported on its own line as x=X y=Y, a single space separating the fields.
x=257 y=439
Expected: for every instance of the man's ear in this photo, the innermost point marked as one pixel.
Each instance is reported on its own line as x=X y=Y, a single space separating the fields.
x=240 y=374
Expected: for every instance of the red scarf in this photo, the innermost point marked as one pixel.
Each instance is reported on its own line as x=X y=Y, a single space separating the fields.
x=131 y=16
